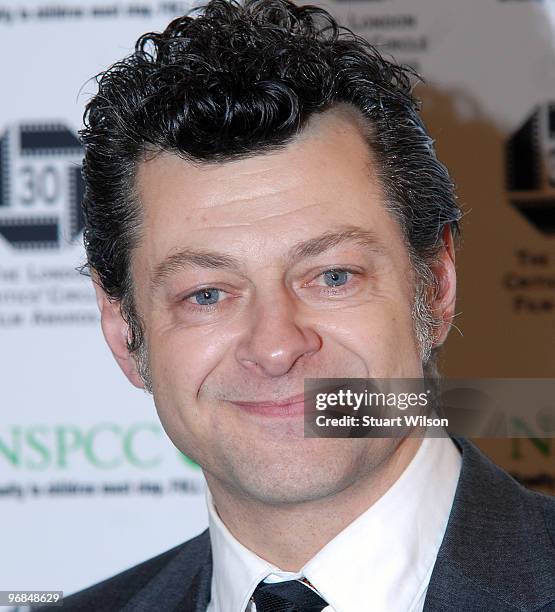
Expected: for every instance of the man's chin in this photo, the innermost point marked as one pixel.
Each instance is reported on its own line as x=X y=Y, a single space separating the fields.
x=278 y=494
x=289 y=484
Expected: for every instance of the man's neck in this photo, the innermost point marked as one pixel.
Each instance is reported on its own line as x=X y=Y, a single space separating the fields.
x=289 y=535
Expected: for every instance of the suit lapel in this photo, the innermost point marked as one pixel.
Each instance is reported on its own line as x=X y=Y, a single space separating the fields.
x=495 y=547
x=183 y=585
x=197 y=597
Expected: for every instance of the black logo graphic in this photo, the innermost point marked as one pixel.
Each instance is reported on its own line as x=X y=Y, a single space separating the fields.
x=530 y=168
x=40 y=186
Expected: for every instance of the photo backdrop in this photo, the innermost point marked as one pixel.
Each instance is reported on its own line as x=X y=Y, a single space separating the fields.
x=89 y=482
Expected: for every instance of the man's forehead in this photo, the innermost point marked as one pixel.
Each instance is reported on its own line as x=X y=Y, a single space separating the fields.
x=340 y=128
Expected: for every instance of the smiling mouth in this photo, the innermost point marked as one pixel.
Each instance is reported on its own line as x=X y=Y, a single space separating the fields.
x=292 y=406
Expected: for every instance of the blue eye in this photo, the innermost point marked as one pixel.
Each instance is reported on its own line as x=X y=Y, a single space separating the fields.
x=336 y=277
x=207 y=297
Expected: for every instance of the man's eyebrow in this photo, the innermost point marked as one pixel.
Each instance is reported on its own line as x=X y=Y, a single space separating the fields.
x=328 y=240
x=207 y=259
x=192 y=258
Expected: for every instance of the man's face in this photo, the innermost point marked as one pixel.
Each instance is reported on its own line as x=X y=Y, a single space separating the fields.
x=251 y=276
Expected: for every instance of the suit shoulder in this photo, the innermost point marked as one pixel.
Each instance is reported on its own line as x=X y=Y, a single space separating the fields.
x=547 y=502
x=500 y=501
x=508 y=527
x=114 y=592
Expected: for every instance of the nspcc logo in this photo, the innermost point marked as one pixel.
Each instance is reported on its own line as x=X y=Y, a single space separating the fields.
x=530 y=166
x=40 y=186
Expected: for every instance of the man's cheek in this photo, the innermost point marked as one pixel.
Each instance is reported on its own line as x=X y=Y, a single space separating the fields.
x=188 y=346
x=185 y=364
x=362 y=329
x=379 y=336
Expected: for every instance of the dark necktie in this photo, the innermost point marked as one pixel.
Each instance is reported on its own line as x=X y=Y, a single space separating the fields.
x=288 y=596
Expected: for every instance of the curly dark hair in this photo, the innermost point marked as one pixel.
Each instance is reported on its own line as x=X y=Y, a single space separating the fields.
x=240 y=79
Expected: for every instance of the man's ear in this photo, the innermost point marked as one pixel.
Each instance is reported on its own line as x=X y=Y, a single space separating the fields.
x=116 y=332
x=443 y=302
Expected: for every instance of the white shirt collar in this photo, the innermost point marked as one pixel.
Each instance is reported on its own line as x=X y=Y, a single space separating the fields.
x=384 y=557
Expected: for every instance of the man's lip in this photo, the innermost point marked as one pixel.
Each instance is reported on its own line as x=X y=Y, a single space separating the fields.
x=295 y=399
x=290 y=407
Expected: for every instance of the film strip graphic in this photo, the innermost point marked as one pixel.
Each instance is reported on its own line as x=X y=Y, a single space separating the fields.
x=41 y=187
x=530 y=168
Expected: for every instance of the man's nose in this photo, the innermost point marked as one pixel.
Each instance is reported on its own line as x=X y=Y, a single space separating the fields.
x=277 y=335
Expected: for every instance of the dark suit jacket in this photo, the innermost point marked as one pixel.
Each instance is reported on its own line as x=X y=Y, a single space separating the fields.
x=497 y=555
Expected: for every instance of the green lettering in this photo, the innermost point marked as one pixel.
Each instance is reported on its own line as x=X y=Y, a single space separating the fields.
x=13 y=454
x=89 y=441
x=543 y=445
x=67 y=440
x=39 y=446
x=129 y=446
